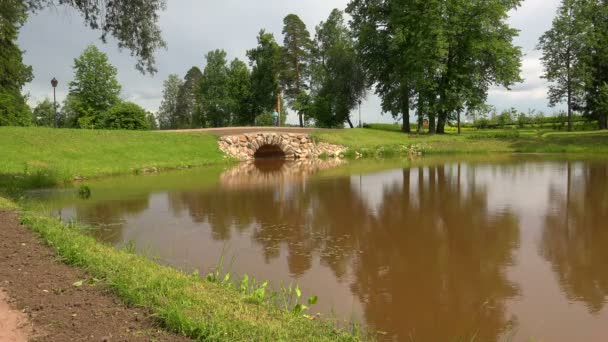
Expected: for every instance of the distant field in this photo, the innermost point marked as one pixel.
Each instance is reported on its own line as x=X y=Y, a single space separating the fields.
x=472 y=141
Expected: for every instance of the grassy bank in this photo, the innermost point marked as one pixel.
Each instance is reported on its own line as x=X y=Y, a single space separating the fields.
x=370 y=141
x=34 y=157
x=202 y=309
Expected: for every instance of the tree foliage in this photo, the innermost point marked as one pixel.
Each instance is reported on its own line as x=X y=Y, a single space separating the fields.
x=13 y=73
x=562 y=47
x=265 y=61
x=94 y=89
x=134 y=23
x=445 y=54
x=239 y=90
x=187 y=111
x=338 y=79
x=126 y=115
x=216 y=102
x=44 y=114
x=295 y=62
x=167 y=113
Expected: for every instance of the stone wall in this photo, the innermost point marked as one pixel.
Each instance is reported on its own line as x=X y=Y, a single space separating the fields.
x=293 y=146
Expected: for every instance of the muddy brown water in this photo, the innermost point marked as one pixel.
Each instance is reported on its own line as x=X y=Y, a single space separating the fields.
x=485 y=249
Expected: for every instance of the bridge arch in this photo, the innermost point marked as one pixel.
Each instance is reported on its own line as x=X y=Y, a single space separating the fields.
x=275 y=145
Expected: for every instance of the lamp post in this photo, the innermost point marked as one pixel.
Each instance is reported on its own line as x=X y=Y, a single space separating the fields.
x=360 y=114
x=54 y=83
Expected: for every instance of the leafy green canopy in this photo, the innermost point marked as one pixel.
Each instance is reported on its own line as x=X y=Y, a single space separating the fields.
x=168 y=117
x=215 y=98
x=188 y=106
x=134 y=23
x=265 y=61
x=338 y=79
x=13 y=73
x=126 y=115
x=447 y=52
x=94 y=89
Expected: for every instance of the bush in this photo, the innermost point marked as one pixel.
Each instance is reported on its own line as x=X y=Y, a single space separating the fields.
x=13 y=110
x=126 y=115
x=265 y=119
x=495 y=135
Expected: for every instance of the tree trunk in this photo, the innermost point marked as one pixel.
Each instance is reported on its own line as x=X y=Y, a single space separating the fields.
x=349 y=122
x=420 y=114
x=432 y=127
x=459 y=122
x=301 y=120
x=569 y=94
x=405 y=109
x=441 y=122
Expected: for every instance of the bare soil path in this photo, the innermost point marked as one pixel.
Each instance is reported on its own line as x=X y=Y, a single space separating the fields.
x=243 y=130
x=41 y=302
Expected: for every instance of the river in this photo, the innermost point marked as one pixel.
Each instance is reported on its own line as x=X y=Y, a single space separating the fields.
x=505 y=248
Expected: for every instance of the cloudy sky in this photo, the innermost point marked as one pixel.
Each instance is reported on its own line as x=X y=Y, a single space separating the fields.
x=54 y=37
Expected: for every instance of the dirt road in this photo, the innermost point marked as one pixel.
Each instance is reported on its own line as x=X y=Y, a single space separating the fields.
x=41 y=302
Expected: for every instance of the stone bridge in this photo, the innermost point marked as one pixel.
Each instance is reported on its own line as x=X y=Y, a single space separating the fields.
x=276 y=145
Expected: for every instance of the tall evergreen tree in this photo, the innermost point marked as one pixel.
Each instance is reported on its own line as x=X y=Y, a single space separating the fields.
x=94 y=89
x=562 y=47
x=295 y=59
x=167 y=113
x=188 y=113
x=13 y=73
x=265 y=61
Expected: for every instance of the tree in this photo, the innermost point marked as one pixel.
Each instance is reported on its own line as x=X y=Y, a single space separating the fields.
x=13 y=73
x=296 y=55
x=338 y=79
x=447 y=52
x=595 y=60
x=187 y=112
x=167 y=113
x=265 y=61
x=239 y=89
x=216 y=102
x=95 y=87
x=133 y=23
x=126 y=115
x=400 y=43
x=562 y=46
x=44 y=114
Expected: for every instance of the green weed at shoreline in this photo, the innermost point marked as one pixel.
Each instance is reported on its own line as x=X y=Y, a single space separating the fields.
x=185 y=303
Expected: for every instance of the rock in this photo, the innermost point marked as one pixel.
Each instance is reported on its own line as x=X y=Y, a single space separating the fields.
x=243 y=138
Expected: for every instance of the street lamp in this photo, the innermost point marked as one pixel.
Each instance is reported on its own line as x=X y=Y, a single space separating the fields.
x=360 y=114
x=54 y=83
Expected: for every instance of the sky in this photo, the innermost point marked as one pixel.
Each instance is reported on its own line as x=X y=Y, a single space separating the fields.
x=54 y=37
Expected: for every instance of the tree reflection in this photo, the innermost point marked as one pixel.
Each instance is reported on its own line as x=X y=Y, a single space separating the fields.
x=428 y=264
x=575 y=234
x=433 y=264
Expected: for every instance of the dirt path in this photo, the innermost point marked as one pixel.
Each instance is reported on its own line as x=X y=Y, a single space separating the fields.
x=44 y=305
x=243 y=130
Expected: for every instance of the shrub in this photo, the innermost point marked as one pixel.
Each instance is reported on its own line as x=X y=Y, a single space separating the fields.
x=126 y=115
x=265 y=119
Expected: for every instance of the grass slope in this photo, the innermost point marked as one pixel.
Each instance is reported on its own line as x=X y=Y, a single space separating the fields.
x=488 y=141
x=183 y=303
x=44 y=155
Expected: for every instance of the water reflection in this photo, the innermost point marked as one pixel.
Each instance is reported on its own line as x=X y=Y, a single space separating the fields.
x=440 y=251
x=575 y=234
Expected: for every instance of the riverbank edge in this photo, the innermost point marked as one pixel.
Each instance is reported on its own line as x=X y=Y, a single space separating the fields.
x=182 y=303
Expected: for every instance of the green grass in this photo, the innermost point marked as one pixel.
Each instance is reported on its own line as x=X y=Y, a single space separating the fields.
x=183 y=303
x=473 y=141
x=35 y=157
